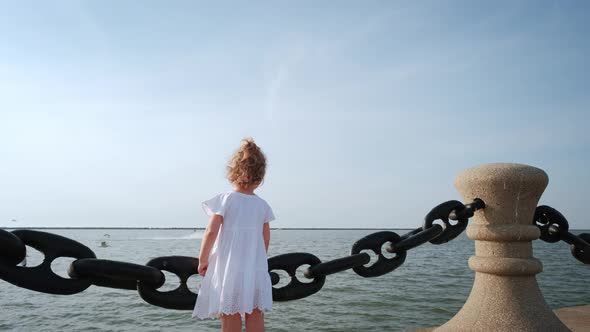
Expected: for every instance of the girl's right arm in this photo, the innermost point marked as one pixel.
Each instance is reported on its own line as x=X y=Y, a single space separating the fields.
x=208 y=239
x=266 y=235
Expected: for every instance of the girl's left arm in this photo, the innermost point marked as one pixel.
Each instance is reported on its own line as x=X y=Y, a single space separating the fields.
x=208 y=239
x=266 y=235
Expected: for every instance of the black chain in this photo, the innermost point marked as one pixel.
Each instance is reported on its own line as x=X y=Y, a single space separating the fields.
x=180 y=298
x=453 y=210
x=87 y=270
x=554 y=227
x=12 y=249
x=399 y=245
x=114 y=274
x=415 y=238
x=295 y=289
x=41 y=278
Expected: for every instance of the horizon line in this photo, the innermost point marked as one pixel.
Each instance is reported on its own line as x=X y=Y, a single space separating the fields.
x=196 y=228
x=203 y=228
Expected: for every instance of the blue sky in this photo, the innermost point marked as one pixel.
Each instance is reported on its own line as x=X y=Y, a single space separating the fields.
x=124 y=113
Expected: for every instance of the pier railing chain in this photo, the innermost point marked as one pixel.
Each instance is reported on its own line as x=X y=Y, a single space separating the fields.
x=87 y=270
x=554 y=227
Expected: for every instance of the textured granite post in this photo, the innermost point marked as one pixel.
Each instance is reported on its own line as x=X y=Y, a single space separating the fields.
x=505 y=295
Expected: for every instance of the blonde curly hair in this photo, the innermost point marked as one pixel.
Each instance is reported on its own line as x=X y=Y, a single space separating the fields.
x=247 y=166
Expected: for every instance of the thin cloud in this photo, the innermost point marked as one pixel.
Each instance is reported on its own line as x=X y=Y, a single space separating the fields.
x=281 y=74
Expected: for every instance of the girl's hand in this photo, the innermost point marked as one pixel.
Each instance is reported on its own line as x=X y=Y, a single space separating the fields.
x=202 y=269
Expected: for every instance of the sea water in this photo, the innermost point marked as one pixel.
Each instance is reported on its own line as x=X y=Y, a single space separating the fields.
x=427 y=290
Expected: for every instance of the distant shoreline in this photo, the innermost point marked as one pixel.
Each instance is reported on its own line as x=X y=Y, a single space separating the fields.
x=200 y=228
x=203 y=228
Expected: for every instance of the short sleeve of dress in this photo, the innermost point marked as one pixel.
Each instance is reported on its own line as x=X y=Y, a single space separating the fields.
x=215 y=205
x=270 y=216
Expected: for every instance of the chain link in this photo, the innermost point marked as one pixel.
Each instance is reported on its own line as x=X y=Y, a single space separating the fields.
x=453 y=210
x=375 y=242
x=415 y=238
x=41 y=278
x=295 y=289
x=554 y=227
x=181 y=298
x=114 y=274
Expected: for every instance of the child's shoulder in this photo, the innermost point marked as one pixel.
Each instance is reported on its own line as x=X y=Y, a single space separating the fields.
x=222 y=195
x=263 y=201
x=230 y=194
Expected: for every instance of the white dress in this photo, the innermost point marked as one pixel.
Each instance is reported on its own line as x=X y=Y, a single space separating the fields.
x=237 y=279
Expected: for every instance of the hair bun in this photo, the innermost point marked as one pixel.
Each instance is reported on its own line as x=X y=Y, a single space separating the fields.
x=249 y=142
x=249 y=148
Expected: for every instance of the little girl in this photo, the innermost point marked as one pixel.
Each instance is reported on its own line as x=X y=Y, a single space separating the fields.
x=233 y=258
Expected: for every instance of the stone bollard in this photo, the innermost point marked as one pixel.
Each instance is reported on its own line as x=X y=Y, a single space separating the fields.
x=505 y=294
